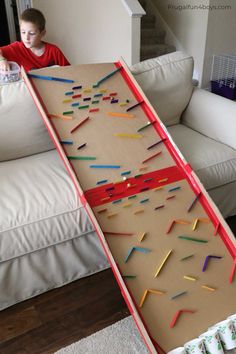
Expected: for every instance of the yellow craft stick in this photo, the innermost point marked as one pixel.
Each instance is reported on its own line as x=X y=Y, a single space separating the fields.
x=142 y=236
x=163 y=180
x=162 y=263
x=66 y=101
x=116 y=114
x=124 y=135
x=103 y=91
x=157 y=189
x=104 y=199
x=60 y=116
x=111 y=215
x=208 y=288
x=157 y=292
x=195 y=224
x=126 y=205
x=187 y=277
x=123 y=104
x=138 y=211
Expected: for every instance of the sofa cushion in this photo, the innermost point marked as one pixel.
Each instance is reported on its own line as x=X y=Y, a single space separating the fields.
x=167 y=83
x=49 y=207
x=213 y=162
x=22 y=130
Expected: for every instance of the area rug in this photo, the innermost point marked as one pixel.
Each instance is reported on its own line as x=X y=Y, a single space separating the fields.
x=120 y=338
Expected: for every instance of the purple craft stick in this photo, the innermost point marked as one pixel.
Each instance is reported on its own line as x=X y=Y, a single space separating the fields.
x=207 y=260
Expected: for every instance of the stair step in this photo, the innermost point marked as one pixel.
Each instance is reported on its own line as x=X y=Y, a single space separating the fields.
x=149 y=36
x=152 y=51
x=148 y=21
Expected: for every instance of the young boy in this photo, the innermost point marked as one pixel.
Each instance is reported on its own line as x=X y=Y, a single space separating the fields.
x=32 y=52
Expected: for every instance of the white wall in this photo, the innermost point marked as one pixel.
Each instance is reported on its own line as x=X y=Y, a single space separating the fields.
x=90 y=31
x=221 y=34
x=189 y=25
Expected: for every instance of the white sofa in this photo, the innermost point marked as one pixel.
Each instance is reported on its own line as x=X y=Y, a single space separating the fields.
x=46 y=238
x=202 y=124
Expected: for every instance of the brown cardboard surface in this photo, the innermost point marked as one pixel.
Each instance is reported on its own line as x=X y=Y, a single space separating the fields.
x=98 y=133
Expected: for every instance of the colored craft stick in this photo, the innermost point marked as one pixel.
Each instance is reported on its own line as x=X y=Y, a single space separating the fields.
x=117 y=201
x=216 y=228
x=124 y=135
x=66 y=142
x=208 y=288
x=81 y=157
x=132 y=197
x=87 y=99
x=81 y=146
x=76 y=96
x=122 y=104
x=105 y=98
x=109 y=189
x=76 y=104
x=193 y=202
x=206 y=220
x=111 y=215
x=148 y=180
x=76 y=87
x=195 y=224
x=207 y=261
x=139 y=175
x=138 y=211
x=187 y=257
x=113 y=94
x=129 y=185
x=67 y=112
x=183 y=222
x=146 y=292
x=117 y=114
x=142 y=236
x=69 y=93
x=95 y=102
x=157 y=189
x=60 y=116
x=103 y=91
x=192 y=239
x=87 y=90
x=162 y=263
x=174 y=189
x=178 y=294
x=102 y=181
x=102 y=210
x=50 y=78
x=139 y=249
x=232 y=272
x=83 y=107
x=146 y=126
x=187 y=277
x=126 y=205
x=105 y=166
x=98 y=95
x=177 y=314
x=159 y=207
x=79 y=124
x=144 y=200
x=151 y=157
x=107 y=77
x=163 y=180
x=67 y=101
x=125 y=173
x=118 y=233
x=170 y=227
x=153 y=145
x=94 y=110
x=135 y=105
x=172 y=197
x=114 y=101
x=104 y=199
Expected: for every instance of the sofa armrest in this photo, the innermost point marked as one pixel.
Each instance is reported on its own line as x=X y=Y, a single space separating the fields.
x=212 y=115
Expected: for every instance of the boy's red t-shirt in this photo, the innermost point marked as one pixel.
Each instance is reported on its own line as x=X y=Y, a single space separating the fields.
x=23 y=56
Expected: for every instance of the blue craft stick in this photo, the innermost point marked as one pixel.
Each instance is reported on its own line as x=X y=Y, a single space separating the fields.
x=107 y=77
x=117 y=201
x=66 y=142
x=50 y=78
x=69 y=93
x=125 y=173
x=174 y=189
x=75 y=104
x=104 y=166
x=144 y=200
x=102 y=181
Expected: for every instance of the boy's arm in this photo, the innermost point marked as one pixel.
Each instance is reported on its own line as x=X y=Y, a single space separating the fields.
x=4 y=65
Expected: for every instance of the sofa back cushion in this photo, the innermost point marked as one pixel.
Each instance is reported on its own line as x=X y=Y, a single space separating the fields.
x=167 y=83
x=22 y=131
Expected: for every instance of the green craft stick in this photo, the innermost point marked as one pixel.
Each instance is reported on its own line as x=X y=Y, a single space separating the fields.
x=81 y=158
x=192 y=239
x=187 y=257
x=68 y=112
x=82 y=107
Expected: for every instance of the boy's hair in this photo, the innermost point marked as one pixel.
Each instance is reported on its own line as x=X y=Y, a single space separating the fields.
x=34 y=16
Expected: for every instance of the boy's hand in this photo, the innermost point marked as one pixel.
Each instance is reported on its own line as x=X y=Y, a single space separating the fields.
x=4 y=65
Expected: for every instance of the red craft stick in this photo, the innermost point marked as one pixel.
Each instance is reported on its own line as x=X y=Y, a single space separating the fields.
x=176 y=316
x=151 y=157
x=76 y=96
x=170 y=227
x=78 y=125
x=94 y=110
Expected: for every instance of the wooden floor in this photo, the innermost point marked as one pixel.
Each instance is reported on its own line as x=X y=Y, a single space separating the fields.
x=63 y=316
